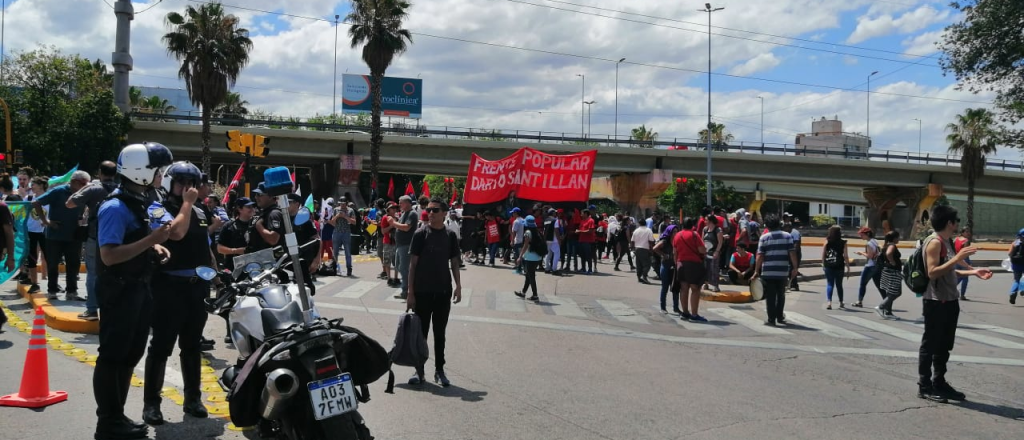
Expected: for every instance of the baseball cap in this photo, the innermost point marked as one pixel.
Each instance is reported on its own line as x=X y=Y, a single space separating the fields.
x=1020 y=233
x=592 y=207
x=551 y=211
x=516 y=209
x=530 y=220
x=244 y=201
x=260 y=189
x=391 y=205
x=292 y=197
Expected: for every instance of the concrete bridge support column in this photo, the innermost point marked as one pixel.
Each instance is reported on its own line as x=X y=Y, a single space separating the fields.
x=882 y=201
x=633 y=192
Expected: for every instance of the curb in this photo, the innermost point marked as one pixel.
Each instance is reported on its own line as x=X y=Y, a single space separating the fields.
x=56 y=319
x=905 y=244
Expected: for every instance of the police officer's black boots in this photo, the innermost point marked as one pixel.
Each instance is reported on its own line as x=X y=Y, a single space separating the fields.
x=124 y=377
x=191 y=374
x=153 y=383
x=112 y=423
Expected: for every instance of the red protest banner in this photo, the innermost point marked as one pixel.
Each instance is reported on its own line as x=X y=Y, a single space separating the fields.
x=532 y=175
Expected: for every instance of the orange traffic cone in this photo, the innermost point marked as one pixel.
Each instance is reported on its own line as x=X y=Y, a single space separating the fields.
x=35 y=379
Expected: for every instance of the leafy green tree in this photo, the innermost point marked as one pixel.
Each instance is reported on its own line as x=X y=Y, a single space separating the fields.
x=984 y=51
x=135 y=97
x=973 y=136
x=377 y=26
x=62 y=112
x=691 y=198
x=719 y=137
x=212 y=49
x=644 y=137
x=155 y=105
x=437 y=188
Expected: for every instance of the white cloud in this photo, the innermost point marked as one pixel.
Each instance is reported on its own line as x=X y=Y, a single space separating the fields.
x=765 y=61
x=923 y=44
x=850 y=60
x=869 y=26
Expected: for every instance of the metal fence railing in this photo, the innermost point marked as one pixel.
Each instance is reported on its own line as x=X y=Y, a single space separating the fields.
x=402 y=128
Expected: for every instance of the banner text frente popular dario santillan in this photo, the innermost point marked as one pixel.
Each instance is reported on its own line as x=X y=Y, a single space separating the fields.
x=532 y=175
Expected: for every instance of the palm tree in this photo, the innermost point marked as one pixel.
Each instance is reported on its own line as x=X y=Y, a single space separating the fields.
x=233 y=107
x=973 y=136
x=135 y=97
x=645 y=136
x=377 y=25
x=212 y=49
x=156 y=105
x=719 y=137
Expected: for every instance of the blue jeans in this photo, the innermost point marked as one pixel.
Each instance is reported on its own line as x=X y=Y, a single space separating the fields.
x=402 y=261
x=92 y=304
x=1017 y=286
x=493 y=248
x=667 y=274
x=962 y=281
x=870 y=274
x=834 y=279
x=339 y=240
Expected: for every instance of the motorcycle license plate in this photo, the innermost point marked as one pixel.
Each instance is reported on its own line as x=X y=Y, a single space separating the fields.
x=333 y=396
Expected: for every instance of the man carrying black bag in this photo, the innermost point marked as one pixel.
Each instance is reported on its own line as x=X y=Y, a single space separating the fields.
x=434 y=262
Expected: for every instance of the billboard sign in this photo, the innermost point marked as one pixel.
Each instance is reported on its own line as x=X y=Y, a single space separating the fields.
x=402 y=97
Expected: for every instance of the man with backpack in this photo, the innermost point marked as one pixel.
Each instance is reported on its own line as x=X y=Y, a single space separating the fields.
x=434 y=262
x=1017 y=266
x=941 y=307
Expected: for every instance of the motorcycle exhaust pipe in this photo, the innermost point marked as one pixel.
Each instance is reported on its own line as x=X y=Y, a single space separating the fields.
x=281 y=385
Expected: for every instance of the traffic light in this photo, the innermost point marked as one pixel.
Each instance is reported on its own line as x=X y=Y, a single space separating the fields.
x=235 y=142
x=259 y=146
x=19 y=156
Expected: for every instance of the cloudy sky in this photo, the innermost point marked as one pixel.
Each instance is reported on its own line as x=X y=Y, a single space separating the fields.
x=513 y=64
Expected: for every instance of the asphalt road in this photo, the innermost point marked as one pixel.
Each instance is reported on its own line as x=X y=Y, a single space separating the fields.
x=596 y=359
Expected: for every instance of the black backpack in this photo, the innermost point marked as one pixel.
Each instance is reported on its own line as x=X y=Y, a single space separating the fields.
x=1017 y=255
x=410 y=349
x=537 y=243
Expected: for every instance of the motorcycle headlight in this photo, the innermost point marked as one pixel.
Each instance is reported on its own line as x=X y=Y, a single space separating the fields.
x=252 y=266
x=254 y=273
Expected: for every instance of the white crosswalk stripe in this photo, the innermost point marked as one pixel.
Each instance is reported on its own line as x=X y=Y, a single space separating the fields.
x=621 y=311
x=466 y=295
x=823 y=327
x=507 y=302
x=391 y=296
x=563 y=306
x=879 y=327
x=358 y=289
x=689 y=325
x=993 y=329
x=984 y=339
x=748 y=321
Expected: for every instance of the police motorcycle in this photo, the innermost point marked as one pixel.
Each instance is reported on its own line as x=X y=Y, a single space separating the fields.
x=298 y=375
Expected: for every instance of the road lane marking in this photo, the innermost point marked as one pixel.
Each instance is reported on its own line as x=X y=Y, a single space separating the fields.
x=879 y=327
x=993 y=328
x=563 y=306
x=507 y=302
x=621 y=311
x=748 y=321
x=357 y=290
x=711 y=341
x=824 y=328
x=984 y=339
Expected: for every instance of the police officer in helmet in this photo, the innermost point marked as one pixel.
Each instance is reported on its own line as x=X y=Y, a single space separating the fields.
x=129 y=249
x=178 y=293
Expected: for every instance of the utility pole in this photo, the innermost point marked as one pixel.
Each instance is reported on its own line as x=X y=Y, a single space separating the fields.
x=762 y=119
x=589 y=112
x=617 y=97
x=869 y=107
x=121 y=59
x=918 y=138
x=583 y=93
x=334 y=96
x=709 y=10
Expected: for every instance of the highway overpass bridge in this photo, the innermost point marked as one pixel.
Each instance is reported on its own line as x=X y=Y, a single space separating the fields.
x=879 y=185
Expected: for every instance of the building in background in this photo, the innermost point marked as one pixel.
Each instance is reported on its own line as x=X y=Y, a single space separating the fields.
x=827 y=139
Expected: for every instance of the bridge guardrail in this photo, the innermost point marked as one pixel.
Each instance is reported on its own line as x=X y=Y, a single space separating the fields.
x=447 y=132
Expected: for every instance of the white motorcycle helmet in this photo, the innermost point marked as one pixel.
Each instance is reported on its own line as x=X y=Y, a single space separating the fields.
x=142 y=163
x=183 y=170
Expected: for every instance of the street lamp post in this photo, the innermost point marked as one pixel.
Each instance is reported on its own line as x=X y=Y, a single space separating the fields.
x=617 y=97
x=709 y=10
x=583 y=93
x=762 y=119
x=334 y=95
x=918 y=138
x=588 y=103
x=869 y=106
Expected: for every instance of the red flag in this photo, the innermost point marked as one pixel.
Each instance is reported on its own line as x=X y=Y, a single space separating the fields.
x=373 y=185
x=234 y=183
x=426 y=189
x=391 y=188
x=455 y=195
x=409 y=190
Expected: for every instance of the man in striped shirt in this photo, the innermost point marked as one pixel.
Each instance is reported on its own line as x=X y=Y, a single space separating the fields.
x=776 y=264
